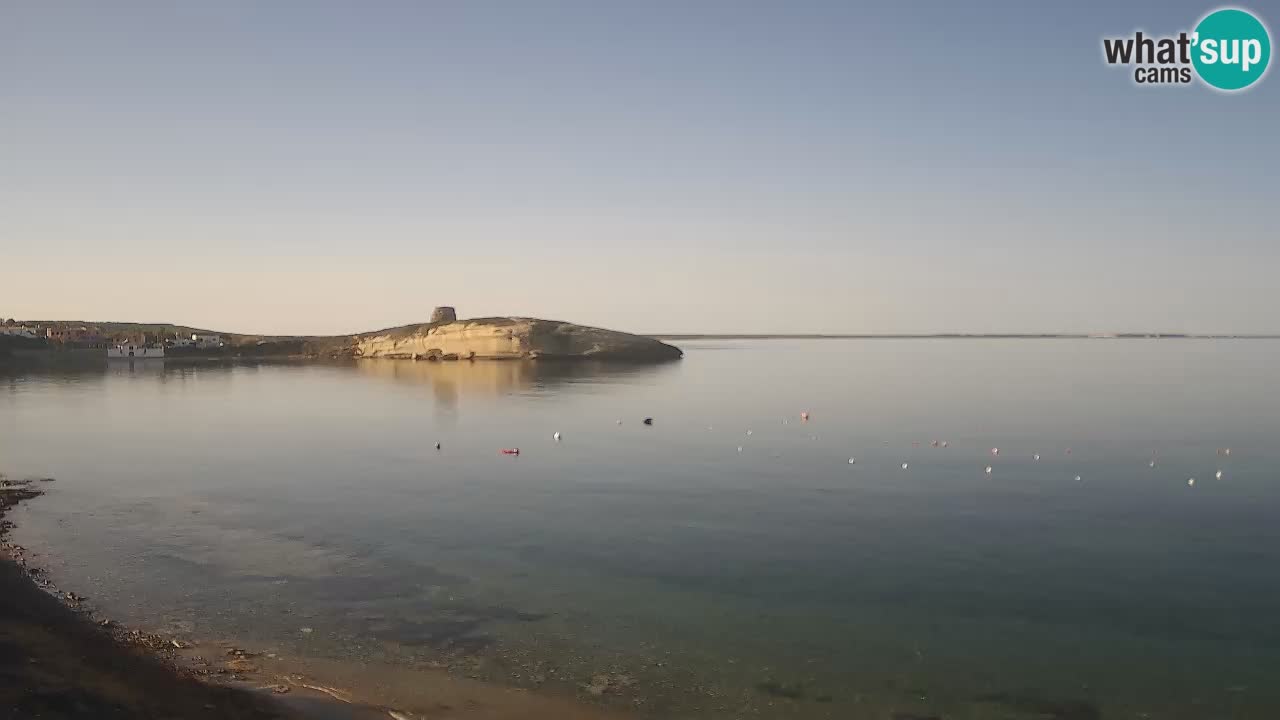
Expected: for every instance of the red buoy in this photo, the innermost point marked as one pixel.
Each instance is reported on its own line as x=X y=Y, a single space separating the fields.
x=510 y=451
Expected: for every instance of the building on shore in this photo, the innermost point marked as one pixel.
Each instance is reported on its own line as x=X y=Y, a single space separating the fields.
x=66 y=334
x=134 y=351
x=207 y=342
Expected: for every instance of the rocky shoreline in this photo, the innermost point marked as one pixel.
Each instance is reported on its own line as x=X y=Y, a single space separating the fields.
x=56 y=662
x=59 y=660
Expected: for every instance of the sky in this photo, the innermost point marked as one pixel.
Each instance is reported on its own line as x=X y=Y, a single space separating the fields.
x=712 y=166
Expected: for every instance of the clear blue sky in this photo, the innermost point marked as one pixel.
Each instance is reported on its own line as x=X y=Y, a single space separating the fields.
x=652 y=166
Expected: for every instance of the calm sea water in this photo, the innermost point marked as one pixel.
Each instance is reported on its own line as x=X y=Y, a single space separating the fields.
x=727 y=561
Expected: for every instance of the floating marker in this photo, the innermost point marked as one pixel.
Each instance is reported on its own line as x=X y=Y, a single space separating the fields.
x=988 y=469
x=619 y=422
x=510 y=451
x=995 y=451
x=852 y=460
x=437 y=446
x=804 y=416
x=1218 y=475
x=739 y=448
x=748 y=432
x=945 y=443
x=1191 y=481
x=556 y=436
x=1151 y=463
x=1077 y=478
x=904 y=466
x=648 y=421
x=1036 y=457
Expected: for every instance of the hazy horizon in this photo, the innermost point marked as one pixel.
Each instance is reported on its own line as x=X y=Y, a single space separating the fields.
x=813 y=167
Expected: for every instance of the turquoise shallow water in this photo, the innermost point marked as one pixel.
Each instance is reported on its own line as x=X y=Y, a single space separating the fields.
x=778 y=580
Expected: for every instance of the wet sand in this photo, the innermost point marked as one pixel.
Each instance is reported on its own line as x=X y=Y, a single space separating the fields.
x=57 y=661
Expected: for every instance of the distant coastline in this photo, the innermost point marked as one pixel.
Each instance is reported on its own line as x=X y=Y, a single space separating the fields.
x=962 y=336
x=444 y=338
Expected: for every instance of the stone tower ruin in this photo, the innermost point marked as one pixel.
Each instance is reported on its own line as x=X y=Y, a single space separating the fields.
x=444 y=314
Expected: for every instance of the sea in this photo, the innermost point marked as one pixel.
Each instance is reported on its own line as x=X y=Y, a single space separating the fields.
x=962 y=529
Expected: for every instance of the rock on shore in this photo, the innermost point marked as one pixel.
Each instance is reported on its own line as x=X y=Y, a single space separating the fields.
x=509 y=337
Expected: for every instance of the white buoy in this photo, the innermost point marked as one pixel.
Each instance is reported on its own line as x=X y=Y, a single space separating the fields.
x=1218 y=475
x=1036 y=457
x=556 y=435
x=995 y=451
x=739 y=448
x=1077 y=478
x=852 y=460
x=988 y=469
x=619 y=422
x=1191 y=481
x=1151 y=463
x=1227 y=451
x=904 y=466
x=748 y=432
x=945 y=443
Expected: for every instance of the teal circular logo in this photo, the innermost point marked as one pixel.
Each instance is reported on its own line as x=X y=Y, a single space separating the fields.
x=1231 y=49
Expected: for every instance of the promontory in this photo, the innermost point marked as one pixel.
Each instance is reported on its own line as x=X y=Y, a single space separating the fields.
x=443 y=338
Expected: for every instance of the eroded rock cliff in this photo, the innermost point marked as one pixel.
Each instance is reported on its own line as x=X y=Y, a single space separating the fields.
x=509 y=338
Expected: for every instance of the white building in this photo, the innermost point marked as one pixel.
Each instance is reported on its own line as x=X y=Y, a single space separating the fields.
x=206 y=341
x=19 y=331
x=132 y=350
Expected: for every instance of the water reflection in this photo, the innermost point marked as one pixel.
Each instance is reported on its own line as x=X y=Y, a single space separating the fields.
x=450 y=381
x=267 y=497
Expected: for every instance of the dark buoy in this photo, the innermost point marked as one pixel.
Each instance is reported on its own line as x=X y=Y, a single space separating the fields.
x=648 y=421
x=437 y=446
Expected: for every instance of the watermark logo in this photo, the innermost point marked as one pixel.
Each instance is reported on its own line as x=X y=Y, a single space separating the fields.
x=1229 y=50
